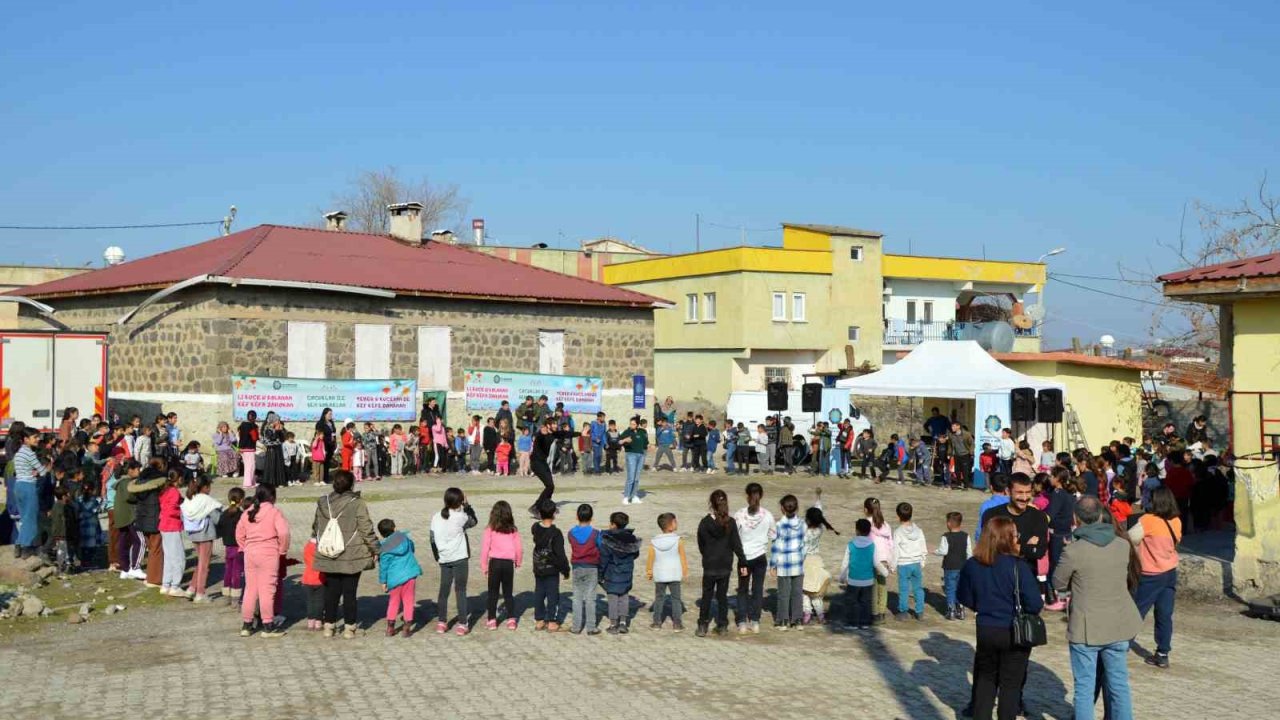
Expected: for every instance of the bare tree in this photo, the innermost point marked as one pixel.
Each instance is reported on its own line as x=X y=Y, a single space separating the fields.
x=367 y=196
x=1250 y=228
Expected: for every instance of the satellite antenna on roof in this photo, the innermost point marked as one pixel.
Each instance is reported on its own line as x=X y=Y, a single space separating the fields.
x=113 y=255
x=226 y=221
x=1035 y=312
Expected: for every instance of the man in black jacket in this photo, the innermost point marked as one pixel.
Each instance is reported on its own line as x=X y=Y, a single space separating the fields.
x=697 y=444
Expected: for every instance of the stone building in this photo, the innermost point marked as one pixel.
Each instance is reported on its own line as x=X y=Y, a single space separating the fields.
x=303 y=302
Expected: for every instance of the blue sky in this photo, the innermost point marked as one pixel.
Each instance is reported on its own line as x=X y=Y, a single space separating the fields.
x=953 y=128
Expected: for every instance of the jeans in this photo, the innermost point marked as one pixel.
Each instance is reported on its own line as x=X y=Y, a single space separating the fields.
x=1084 y=668
x=789 y=458
x=770 y=457
x=730 y=449
x=584 y=597
x=998 y=664
x=27 y=499
x=667 y=595
x=671 y=458
x=175 y=559
x=635 y=461
x=911 y=581
x=401 y=599
x=501 y=576
x=129 y=549
x=751 y=590
x=338 y=586
x=714 y=588
x=951 y=579
x=453 y=575
x=597 y=455
x=790 y=594
x=859 y=603
x=546 y=598
x=824 y=462
x=711 y=459
x=1158 y=591
x=684 y=455
x=619 y=609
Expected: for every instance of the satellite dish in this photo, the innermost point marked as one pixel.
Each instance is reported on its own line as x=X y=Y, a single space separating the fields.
x=1022 y=322
x=1107 y=341
x=1035 y=312
x=113 y=255
x=991 y=336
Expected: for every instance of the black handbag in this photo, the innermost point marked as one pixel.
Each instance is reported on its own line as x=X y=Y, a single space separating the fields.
x=1028 y=628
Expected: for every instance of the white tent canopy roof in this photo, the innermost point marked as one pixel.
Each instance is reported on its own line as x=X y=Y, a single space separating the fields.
x=944 y=369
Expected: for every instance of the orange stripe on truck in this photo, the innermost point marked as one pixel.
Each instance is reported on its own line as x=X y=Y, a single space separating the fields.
x=4 y=402
x=99 y=401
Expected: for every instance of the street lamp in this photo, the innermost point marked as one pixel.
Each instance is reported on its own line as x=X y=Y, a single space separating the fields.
x=1051 y=253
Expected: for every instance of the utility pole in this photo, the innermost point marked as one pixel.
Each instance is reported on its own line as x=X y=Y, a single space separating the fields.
x=743 y=228
x=697 y=232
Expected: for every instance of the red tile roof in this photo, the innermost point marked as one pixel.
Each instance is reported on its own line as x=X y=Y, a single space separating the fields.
x=1259 y=266
x=274 y=252
x=1072 y=358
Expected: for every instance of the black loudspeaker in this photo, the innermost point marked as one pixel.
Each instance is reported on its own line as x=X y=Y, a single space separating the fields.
x=811 y=397
x=777 y=396
x=1049 y=406
x=1022 y=404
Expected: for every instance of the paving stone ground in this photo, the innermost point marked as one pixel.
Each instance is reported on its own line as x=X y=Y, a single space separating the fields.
x=187 y=660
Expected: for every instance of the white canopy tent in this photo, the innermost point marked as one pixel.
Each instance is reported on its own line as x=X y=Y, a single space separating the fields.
x=958 y=369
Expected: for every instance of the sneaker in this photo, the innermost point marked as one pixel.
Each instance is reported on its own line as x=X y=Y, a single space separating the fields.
x=900 y=616
x=511 y=624
x=272 y=631
x=612 y=630
x=1058 y=606
x=246 y=629
x=348 y=633
x=138 y=574
x=677 y=627
x=125 y=576
x=701 y=631
x=593 y=631
x=743 y=628
x=624 y=628
x=625 y=500
x=755 y=628
x=490 y=624
x=797 y=627
x=553 y=627
x=391 y=628
x=722 y=630
x=782 y=627
x=575 y=631
x=441 y=628
x=188 y=593
x=636 y=501
x=328 y=630
x=200 y=599
x=919 y=616
x=655 y=626
x=540 y=625
x=951 y=614
x=1160 y=660
x=461 y=629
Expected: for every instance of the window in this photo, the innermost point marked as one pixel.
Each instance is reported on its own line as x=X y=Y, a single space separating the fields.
x=307 y=349
x=855 y=253
x=928 y=311
x=373 y=352
x=551 y=352
x=435 y=358
x=911 y=311
x=779 y=306
x=797 y=307
x=691 y=308
x=855 y=333
x=777 y=374
x=708 y=307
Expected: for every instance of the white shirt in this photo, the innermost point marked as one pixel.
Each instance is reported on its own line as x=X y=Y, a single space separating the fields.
x=756 y=531
x=1007 y=449
x=450 y=536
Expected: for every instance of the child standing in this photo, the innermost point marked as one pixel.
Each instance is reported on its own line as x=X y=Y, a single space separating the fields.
x=713 y=444
x=756 y=531
x=504 y=457
x=786 y=562
x=816 y=577
x=619 y=549
x=398 y=572
x=313 y=581
x=192 y=461
x=1047 y=457
x=501 y=553
x=317 y=459
x=882 y=536
x=584 y=546
x=233 y=568
x=719 y=544
x=612 y=446
x=910 y=550
x=863 y=565
x=200 y=516
x=175 y=556
x=370 y=444
x=357 y=458
x=452 y=551
x=440 y=443
x=87 y=507
x=395 y=446
x=667 y=567
x=524 y=448
x=263 y=533
x=292 y=459
x=549 y=563
x=955 y=547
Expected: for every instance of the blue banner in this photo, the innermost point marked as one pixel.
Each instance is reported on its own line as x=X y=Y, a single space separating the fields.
x=637 y=392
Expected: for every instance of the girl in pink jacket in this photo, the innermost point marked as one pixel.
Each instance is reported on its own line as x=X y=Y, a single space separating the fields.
x=500 y=554
x=170 y=527
x=882 y=536
x=263 y=535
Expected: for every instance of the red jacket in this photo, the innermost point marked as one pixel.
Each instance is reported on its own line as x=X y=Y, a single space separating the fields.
x=311 y=576
x=170 y=510
x=587 y=553
x=1179 y=480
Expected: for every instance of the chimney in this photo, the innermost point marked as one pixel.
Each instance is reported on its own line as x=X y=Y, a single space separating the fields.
x=443 y=236
x=477 y=228
x=336 y=220
x=406 y=222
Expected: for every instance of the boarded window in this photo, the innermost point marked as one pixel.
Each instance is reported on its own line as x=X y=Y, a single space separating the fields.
x=373 y=351
x=551 y=352
x=435 y=358
x=307 y=349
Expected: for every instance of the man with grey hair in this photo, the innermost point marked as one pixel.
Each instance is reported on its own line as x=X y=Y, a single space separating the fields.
x=1095 y=569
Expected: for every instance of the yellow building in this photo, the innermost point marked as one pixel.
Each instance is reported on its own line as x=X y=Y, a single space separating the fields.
x=829 y=300
x=1247 y=294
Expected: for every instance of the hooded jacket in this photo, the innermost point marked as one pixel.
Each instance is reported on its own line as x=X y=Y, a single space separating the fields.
x=1095 y=569
x=201 y=508
x=719 y=545
x=266 y=532
x=619 y=548
x=756 y=531
x=145 y=491
x=397 y=564
x=909 y=545
x=863 y=561
x=666 y=560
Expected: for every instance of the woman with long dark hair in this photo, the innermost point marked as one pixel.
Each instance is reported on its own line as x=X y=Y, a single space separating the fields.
x=988 y=584
x=272 y=433
x=326 y=428
x=247 y=442
x=17 y=432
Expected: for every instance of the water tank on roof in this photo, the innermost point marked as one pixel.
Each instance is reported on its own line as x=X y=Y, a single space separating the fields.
x=992 y=336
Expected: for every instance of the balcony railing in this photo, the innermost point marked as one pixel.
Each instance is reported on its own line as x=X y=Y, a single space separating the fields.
x=903 y=333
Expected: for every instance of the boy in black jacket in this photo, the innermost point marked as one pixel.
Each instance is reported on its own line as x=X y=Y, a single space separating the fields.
x=549 y=563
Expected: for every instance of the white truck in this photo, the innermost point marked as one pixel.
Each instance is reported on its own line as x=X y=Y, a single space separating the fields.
x=751 y=408
x=43 y=373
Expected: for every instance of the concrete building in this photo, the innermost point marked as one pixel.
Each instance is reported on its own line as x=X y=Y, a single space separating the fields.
x=586 y=262
x=302 y=302
x=16 y=277
x=828 y=301
x=1247 y=295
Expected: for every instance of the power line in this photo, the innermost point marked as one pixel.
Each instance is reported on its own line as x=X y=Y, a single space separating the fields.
x=1104 y=292
x=742 y=229
x=1101 y=277
x=109 y=227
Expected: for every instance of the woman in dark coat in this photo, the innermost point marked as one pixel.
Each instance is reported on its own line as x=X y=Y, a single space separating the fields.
x=325 y=427
x=273 y=471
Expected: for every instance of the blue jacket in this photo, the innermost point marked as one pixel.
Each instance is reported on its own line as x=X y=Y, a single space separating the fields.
x=396 y=562
x=666 y=436
x=713 y=439
x=988 y=591
x=599 y=432
x=619 y=549
x=991 y=502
